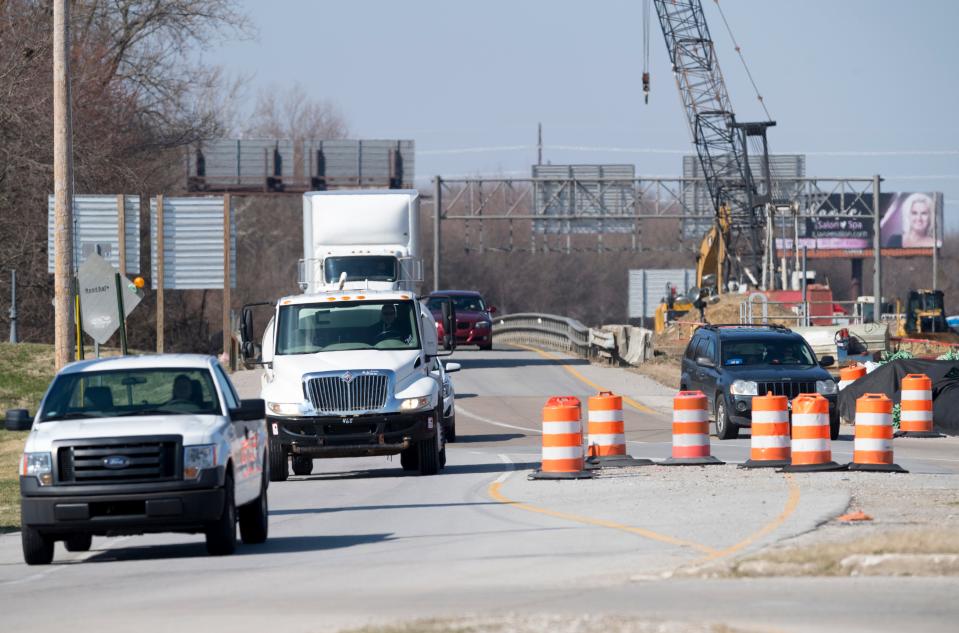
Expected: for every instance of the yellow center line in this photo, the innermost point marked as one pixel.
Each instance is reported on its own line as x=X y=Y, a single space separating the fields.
x=496 y=495
x=636 y=405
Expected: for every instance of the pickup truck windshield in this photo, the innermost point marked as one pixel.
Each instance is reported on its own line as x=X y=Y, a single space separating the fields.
x=360 y=268
x=347 y=325
x=132 y=392
x=771 y=352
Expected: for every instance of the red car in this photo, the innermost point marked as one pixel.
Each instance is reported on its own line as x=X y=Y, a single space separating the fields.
x=474 y=323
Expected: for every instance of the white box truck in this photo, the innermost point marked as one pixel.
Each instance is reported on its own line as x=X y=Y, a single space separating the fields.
x=351 y=367
x=371 y=236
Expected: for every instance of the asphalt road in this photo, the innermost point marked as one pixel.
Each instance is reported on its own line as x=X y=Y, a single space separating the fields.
x=360 y=542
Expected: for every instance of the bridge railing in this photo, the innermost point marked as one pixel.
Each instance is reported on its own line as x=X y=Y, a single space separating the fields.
x=543 y=330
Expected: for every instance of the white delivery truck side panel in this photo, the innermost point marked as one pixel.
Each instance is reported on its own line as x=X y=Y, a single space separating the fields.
x=361 y=224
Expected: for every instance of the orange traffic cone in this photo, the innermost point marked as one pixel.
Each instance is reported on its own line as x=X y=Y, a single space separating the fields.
x=849 y=375
x=915 y=408
x=562 y=441
x=606 y=443
x=811 y=448
x=690 y=431
x=872 y=448
x=769 y=445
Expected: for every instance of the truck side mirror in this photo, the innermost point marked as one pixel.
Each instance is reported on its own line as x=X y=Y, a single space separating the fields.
x=449 y=325
x=18 y=420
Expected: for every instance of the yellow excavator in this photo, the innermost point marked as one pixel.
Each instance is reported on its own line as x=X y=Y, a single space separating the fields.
x=711 y=258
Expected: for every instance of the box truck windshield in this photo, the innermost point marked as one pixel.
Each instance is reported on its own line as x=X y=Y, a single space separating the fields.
x=360 y=268
x=348 y=325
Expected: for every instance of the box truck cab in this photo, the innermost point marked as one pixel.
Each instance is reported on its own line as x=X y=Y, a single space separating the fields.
x=362 y=239
x=350 y=373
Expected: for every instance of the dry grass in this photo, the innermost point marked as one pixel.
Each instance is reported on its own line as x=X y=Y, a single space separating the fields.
x=11 y=447
x=824 y=559
x=663 y=369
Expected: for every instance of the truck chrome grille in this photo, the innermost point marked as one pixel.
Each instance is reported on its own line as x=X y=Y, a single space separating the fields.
x=127 y=460
x=347 y=393
x=788 y=389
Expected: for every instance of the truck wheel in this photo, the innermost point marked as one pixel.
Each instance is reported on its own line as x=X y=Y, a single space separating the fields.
x=37 y=548
x=302 y=465
x=428 y=450
x=221 y=534
x=725 y=429
x=78 y=542
x=254 y=519
x=409 y=458
x=279 y=464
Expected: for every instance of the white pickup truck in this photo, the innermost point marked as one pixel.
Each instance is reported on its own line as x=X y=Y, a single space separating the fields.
x=138 y=444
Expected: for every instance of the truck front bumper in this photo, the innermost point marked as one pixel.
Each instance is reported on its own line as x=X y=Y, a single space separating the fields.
x=113 y=510
x=381 y=434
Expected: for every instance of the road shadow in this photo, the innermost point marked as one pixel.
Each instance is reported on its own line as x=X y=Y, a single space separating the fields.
x=464 y=396
x=273 y=545
x=489 y=437
x=399 y=473
x=408 y=506
x=487 y=468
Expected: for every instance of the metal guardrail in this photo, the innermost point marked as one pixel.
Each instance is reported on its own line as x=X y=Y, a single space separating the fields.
x=547 y=330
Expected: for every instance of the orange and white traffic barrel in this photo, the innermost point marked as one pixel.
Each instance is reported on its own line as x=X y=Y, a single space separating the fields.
x=606 y=443
x=849 y=375
x=811 y=447
x=915 y=407
x=872 y=448
x=563 y=455
x=769 y=445
x=690 y=431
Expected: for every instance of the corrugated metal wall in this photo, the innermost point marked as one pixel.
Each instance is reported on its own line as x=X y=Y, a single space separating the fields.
x=97 y=219
x=647 y=288
x=363 y=162
x=192 y=243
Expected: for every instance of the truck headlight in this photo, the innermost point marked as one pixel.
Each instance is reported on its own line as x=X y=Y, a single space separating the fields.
x=415 y=404
x=482 y=325
x=827 y=387
x=743 y=388
x=196 y=458
x=39 y=465
x=284 y=408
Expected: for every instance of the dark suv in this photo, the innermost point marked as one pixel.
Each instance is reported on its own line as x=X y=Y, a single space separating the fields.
x=733 y=363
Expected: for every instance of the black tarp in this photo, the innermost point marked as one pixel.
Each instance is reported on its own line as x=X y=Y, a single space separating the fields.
x=886 y=379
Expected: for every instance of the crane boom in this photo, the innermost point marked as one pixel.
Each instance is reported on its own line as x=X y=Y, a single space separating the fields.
x=721 y=142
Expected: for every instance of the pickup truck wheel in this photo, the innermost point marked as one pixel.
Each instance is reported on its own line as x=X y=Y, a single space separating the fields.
x=450 y=431
x=725 y=429
x=78 y=542
x=279 y=464
x=37 y=548
x=302 y=465
x=221 y=534
x=254 y=519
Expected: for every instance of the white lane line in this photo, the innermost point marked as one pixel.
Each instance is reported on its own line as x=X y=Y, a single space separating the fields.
x=469 y=414
x=510 y=469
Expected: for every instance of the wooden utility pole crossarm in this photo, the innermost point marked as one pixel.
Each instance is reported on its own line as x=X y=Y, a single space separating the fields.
x=62 y=185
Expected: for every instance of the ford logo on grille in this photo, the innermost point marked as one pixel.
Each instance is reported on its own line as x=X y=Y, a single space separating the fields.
x=347 y=377
x=116 y=462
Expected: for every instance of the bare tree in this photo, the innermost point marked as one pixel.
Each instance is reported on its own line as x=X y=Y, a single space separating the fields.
x=292 y=114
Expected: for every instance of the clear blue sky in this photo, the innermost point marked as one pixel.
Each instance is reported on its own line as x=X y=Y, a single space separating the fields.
x=850 y=76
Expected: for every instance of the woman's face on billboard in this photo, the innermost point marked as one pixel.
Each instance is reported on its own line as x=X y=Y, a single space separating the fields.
x=919 y=217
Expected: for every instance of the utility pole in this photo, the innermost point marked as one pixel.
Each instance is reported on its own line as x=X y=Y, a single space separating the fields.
x=539 y=143
x=62 y=185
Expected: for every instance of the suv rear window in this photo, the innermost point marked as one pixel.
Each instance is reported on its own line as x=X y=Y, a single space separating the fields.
x=767 y=352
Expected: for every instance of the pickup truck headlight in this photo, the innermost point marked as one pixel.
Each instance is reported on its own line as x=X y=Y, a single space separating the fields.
x=482 y=325
x=284 y=408
x=827 y=387
x=743 y=388
x=196 y=458
x=39 y=465
x=415 y=404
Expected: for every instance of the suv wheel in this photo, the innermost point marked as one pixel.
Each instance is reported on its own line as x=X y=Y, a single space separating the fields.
x=725 y=429
x=834 y=425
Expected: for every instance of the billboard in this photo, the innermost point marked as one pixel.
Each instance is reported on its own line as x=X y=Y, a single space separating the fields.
x=907 y=222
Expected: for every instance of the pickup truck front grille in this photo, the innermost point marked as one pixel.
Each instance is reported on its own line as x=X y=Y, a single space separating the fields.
x=347 y=393
x=127 y=460
x=788 y=389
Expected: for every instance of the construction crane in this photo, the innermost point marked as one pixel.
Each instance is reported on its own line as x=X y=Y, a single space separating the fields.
x=738 y=245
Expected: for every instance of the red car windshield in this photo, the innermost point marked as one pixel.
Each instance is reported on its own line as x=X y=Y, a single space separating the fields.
x=460 y=304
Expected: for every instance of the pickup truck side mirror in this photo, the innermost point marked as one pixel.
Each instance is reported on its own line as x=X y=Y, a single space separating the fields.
x=252 y=409
x=705 y=361
x=18 y=420
x=826 y=361
x=451 y=367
